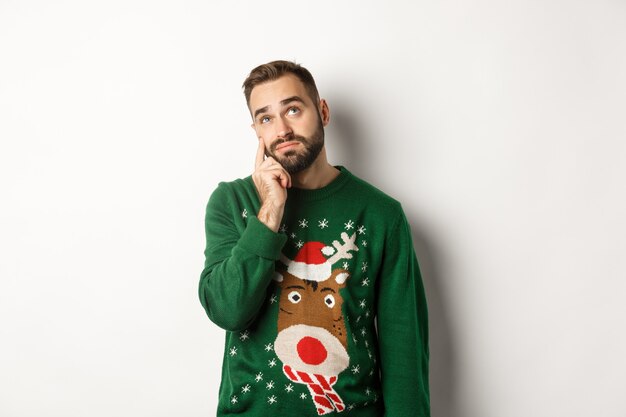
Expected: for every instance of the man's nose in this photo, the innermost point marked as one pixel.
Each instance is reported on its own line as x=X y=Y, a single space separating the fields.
x=282 y=128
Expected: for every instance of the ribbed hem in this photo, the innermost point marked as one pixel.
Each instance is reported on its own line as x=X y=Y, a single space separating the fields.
x=261 y=240
x=321 y=193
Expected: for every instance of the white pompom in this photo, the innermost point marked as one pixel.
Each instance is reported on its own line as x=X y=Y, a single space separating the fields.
x=328 y=250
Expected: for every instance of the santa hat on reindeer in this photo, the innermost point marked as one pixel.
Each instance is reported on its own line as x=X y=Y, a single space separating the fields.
x=311 y=263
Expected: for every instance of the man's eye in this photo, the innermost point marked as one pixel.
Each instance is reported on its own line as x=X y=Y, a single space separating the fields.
x=293 y=110
x=265 y=119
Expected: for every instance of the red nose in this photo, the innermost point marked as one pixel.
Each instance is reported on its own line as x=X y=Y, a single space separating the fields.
x=311 y=351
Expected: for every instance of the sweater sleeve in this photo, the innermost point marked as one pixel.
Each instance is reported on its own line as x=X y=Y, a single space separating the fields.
x=238 y=267
x=402 y=321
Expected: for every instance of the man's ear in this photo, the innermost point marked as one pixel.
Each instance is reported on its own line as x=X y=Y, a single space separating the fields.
x=324 y=112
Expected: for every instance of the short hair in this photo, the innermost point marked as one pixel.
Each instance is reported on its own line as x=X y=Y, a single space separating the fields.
x=276 y=69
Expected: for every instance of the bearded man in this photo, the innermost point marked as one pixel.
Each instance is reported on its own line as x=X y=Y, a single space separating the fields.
x=312 y=273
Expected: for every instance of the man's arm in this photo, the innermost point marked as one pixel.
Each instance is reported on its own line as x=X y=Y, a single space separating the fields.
x=403 y=328
x=239 y=267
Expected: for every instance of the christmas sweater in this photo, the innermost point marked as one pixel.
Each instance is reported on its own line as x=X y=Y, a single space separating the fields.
x=326 y=316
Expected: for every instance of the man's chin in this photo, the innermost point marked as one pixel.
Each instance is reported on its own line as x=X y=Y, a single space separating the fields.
x=293 y=166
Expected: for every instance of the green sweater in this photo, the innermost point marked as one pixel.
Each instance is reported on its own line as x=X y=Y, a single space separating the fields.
x=326 y=316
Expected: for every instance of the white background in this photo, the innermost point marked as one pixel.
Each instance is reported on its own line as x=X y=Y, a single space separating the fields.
x=498 y=124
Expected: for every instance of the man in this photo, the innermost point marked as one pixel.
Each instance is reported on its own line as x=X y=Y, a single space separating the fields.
x=312 y=273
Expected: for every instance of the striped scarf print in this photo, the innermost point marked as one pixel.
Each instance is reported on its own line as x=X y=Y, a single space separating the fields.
x=325 y=398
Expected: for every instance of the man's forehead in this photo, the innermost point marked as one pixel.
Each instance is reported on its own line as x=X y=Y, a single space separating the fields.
x=272 y=93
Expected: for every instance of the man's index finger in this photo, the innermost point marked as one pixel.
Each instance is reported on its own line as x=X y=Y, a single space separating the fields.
x=260 y=154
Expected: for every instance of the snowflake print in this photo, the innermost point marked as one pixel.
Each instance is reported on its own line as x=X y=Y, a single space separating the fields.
x=368 y=391
x=293 y=235
x=245 y=389
x=234 y=399
x=358 y=319
x=364 y=267
x=283 y=228
x=349 y=225
x=367 y=313
x=299 y=244
x=288 y=387
x=272 y=363
x=345 y=265
x=356 y=369
x=303 y=223
x=365 y=282
x=243 y=336
x=272 y=399
x=364 y=243
x=259 y=377
x=270 y=385
x=367 y=344
x=354 y=338
x=303 y=396
x=363 y=331
x=362 y=303
x=350 y=407
x=371 y=372
x=268 y=347
x=233 y=351
x=273 y=299
x=369 y=353
x=323 y=224
x=361 y=230
x=244 y=214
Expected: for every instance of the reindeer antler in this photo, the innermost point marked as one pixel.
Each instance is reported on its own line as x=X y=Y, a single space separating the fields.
x=342 y=249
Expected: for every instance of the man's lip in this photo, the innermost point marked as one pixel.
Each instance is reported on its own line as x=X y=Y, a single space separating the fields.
x=287 y=144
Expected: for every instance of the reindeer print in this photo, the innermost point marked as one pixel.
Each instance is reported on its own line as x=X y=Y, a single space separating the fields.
x=312 y=340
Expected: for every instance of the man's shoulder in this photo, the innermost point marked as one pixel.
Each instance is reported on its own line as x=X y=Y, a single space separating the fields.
x=236 y=186
x=373 y=194
x=234 y=194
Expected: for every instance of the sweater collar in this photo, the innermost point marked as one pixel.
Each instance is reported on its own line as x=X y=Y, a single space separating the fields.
x=324 y=192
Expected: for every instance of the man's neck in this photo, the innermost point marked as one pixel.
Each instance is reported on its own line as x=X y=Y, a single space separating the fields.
x=318 y=175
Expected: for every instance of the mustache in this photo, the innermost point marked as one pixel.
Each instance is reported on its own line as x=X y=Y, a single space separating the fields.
x=289 y=139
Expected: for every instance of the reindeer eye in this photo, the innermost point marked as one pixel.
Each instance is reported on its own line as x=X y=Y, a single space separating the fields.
x=294 y=297
x=330 y=301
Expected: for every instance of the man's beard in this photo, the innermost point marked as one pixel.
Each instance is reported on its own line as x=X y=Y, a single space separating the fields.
x=294 y=161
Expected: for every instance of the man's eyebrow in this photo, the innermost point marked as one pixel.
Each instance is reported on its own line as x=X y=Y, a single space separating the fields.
x=291 y=99
x=261 y=110
x=282 y=103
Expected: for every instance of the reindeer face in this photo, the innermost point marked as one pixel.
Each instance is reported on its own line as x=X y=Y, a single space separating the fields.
x=311 y=329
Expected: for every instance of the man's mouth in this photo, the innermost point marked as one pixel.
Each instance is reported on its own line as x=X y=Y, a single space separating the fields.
x=287 y=145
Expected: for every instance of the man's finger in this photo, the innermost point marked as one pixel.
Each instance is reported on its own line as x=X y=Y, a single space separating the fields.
x=260 y=154
x=285 y=178
x=279 y=174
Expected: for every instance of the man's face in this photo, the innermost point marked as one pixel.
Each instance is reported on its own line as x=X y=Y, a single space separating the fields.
x=290 y=124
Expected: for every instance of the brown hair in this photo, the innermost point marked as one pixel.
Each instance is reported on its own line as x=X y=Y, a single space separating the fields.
x=276 y=69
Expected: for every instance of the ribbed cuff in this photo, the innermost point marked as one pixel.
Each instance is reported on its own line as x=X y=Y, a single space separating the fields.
x=261 y=240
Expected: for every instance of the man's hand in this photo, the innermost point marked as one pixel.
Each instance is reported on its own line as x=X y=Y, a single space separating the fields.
x=271 y=182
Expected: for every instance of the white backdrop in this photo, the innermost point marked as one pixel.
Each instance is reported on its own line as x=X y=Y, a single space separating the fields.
x=499 y=125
